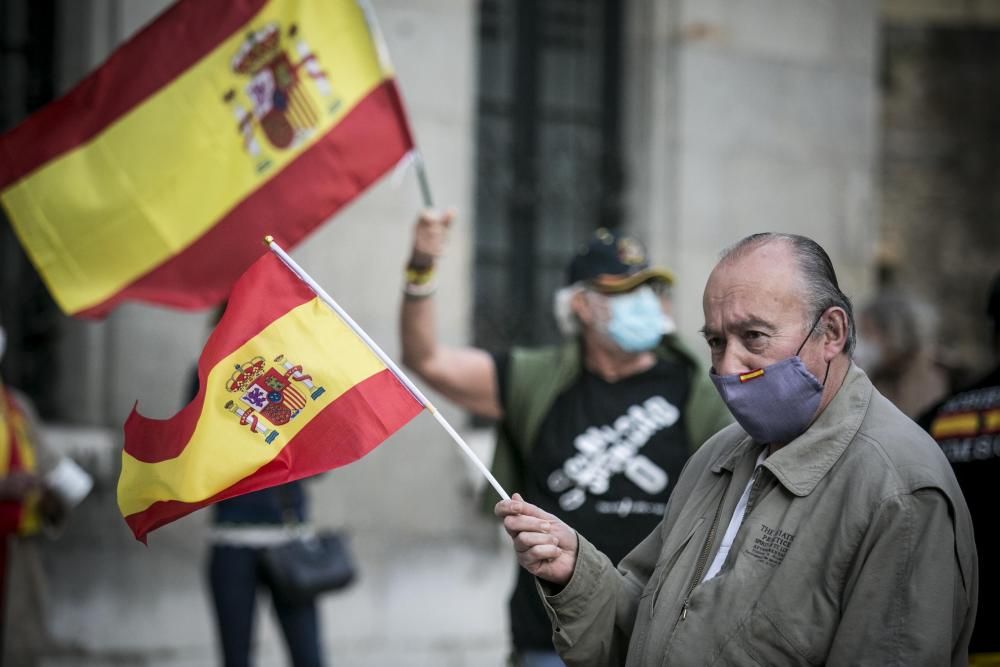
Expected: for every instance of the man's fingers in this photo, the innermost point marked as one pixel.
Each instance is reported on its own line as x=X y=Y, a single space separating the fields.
x=433 y=216
x=526 y=541
x=538 y=555
x=517 y=506
x=518 y=523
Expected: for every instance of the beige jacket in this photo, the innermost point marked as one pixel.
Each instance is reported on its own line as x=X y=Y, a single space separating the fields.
x=856 y=549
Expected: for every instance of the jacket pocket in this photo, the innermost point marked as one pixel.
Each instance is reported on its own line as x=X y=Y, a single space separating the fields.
x=666 y=563
x=650 y=594
x=759 y=641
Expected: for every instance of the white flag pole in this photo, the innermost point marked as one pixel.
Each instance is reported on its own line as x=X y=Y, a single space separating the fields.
x=390 y=364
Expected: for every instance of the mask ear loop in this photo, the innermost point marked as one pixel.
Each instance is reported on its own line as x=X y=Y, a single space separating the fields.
x=806 y=339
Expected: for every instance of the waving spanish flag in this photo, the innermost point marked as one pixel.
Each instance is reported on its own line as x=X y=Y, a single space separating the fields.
x=154 y=178
x=287 y=390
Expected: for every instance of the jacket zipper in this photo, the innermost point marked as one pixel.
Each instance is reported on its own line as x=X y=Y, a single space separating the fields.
x=699 y=571
x=703 y=556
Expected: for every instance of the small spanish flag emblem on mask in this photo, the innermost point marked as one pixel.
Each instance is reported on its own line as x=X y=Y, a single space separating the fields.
x=752 y=375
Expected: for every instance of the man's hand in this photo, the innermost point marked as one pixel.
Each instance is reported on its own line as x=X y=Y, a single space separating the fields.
x=52 y=508
x=545 y=546
x=429 y=237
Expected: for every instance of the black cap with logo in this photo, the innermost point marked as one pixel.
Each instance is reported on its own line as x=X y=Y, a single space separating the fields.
x=611 y=263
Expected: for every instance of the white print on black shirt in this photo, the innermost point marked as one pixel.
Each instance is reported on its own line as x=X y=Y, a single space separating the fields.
x=608 y=450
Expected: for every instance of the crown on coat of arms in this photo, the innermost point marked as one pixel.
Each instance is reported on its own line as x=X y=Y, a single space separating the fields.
x=258 y=49
x=245 y=374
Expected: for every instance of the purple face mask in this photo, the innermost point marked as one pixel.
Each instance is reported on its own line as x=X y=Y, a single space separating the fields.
x=775 y=403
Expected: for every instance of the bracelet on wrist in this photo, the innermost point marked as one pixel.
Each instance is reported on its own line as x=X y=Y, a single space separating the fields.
x=421 y=291
x=419 y=276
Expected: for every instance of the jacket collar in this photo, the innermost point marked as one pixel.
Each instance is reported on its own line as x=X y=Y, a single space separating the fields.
x=802 y=463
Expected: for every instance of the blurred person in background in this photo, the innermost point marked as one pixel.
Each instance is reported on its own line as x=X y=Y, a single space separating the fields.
x=824 y=527
x=896 y=348
x=38 y=487
x=966 y=425
x=597 y=428
x=242 y=528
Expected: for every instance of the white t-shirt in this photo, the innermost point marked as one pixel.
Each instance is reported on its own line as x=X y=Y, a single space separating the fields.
x=735 y=522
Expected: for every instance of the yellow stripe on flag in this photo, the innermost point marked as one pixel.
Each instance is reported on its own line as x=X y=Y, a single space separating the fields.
x=991 y=421
x=964 y=424
x=142 y=190
x=221 y=452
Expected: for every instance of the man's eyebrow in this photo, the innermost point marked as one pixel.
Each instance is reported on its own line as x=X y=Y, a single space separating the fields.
x=741 y=325
x=755 y=323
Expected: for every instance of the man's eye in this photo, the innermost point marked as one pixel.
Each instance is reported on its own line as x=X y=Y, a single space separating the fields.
x=713 y=342
x=754 y=336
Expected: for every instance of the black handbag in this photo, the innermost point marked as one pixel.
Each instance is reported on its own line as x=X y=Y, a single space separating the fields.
x=306 y=566
x=309 y=563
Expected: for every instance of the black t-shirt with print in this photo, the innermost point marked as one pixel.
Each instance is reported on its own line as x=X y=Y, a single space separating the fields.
x=967 y=427
x=605 y=460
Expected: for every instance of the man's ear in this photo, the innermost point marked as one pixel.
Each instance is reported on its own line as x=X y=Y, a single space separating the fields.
x=834 y=332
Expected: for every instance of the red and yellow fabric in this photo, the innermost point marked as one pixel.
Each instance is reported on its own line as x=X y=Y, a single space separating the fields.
x=287 y=390
x=17 y=454
x=156 y=177
x=966 y=424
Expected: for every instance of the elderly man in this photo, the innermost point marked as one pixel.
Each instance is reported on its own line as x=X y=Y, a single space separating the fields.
x=824 y=528
x=597 y=429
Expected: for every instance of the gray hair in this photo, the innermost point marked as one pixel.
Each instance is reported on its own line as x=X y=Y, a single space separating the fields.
x=821 y=288
x=562 y=309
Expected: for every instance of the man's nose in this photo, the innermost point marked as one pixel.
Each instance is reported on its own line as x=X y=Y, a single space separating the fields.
x=732 y=361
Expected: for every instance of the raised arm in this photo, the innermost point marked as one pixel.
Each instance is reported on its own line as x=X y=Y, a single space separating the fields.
x=464 y=375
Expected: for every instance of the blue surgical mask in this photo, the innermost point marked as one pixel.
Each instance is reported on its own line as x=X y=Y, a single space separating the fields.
x=776 y=403
x=637 y=322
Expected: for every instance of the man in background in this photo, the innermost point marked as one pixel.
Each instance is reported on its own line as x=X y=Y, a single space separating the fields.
x=967 y=427
x=596 y=429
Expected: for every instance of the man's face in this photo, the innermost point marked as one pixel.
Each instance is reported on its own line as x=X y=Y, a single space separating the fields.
x=593 y=308
x=631 y=322
x=755 y=314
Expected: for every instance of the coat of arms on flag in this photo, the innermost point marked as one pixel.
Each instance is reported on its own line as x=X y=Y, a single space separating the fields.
x=286 y=390
x=282 y=106
x=265 y=391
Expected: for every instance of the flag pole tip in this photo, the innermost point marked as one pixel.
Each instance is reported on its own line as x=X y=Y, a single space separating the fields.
x=268 y=240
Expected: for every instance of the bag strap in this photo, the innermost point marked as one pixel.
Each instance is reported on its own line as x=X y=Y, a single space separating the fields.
x=288 y=514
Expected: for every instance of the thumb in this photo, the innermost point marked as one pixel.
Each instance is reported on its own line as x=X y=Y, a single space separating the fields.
x=527 y=509
x=448 y=216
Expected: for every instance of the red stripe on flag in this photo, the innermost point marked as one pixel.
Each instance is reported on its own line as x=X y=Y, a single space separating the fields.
x=247 y=314
x=350 y=427
x=366 y=143
x=139 y=68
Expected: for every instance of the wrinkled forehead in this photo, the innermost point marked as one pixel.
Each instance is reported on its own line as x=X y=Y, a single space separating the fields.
x=764 y=284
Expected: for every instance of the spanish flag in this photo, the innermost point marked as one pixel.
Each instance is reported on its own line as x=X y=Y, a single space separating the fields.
x=17 y=454
x=155 y=177
x=287 y=390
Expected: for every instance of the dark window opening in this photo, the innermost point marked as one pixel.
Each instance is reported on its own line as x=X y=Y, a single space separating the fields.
x=549 y=168
x=28 y=314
